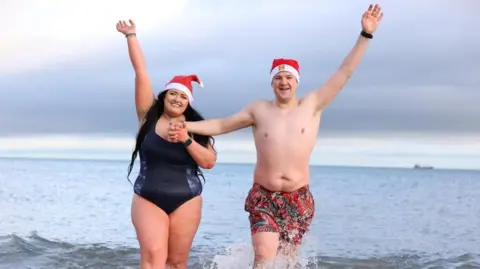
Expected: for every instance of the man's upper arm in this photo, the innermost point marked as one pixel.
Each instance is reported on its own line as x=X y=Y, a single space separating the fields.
x=322 y=97
x=242 y=119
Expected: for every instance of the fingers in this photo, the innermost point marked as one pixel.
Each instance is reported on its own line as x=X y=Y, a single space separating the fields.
x=172 y=127
x=180 y=125
x=173 y=138
x=172 y=135
x=177 y=131
x=380 y=17
x=375 y=11
x=173 y=131
x=370 y=8
x=124 y=24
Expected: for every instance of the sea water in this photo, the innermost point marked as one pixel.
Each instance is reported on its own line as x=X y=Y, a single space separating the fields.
x=76 y=214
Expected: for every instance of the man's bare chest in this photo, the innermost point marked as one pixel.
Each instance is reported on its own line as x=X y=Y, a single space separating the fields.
x=286 y=127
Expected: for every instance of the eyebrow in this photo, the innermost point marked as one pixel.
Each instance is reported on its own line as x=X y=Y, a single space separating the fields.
x=287 y=76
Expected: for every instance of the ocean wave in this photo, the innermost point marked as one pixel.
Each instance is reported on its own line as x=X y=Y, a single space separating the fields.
x=36 y=252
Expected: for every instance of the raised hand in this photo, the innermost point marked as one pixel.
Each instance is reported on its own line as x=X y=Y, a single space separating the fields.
x=124 y=28
x=371 y=18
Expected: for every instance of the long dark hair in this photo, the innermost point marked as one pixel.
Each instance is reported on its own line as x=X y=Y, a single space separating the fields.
x=153 y=114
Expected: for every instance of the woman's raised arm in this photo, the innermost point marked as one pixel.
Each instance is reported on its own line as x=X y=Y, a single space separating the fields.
x=144 y=96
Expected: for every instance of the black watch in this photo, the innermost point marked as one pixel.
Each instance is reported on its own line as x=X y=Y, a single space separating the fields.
x=366 y=35
x=187 y=142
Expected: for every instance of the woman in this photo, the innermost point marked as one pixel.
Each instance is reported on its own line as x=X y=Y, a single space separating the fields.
x=167 y=203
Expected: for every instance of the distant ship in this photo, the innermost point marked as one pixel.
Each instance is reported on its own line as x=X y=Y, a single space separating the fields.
x=419 y=166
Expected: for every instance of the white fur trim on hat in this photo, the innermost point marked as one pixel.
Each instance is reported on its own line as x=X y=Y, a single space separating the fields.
x=285 y=67
x=182 y=88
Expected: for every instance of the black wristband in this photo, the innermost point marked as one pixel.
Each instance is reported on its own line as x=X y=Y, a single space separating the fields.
x=130 y=34
x=366 y=35
x=187 y=142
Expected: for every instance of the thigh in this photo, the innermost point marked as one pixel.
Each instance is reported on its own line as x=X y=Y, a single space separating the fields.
x=184 y=222
x=261 y=211
x=265 y=245
x=297 y=219
x=264 y=228
x=151 y=225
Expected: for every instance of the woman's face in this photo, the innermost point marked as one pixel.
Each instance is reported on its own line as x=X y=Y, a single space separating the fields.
x=175 y=102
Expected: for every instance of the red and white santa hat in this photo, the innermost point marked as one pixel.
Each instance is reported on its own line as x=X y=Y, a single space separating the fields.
x=184 y=84
x=289 y=65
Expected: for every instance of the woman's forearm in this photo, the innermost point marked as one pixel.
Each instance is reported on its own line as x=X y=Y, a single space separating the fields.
x=204 y=157
x=136 y=55
x=144 y=96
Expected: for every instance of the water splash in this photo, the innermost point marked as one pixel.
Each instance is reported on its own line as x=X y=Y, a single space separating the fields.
x=240 y=255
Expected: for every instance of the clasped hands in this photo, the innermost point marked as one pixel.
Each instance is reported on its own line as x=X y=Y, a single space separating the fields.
x=177 y=132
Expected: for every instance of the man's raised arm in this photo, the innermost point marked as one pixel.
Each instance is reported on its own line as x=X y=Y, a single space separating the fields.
x=213 y=127
x=323 y=96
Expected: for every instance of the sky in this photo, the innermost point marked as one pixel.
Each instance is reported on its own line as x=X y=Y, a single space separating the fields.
x=66 y=83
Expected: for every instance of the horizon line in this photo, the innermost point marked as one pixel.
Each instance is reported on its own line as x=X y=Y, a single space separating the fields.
x=92 y=159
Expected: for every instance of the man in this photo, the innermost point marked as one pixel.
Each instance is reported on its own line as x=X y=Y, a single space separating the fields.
x=280 y=204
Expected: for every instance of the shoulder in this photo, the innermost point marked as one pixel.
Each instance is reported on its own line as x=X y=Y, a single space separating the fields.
x=255 y=108
x=308 y=98
x=309 y=101
x=258 y=104
x=308 y=104
x=249 y=112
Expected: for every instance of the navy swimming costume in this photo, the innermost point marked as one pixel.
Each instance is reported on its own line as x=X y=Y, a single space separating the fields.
x=168 y=174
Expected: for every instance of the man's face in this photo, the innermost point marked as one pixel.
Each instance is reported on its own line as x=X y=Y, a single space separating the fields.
x=284 y=86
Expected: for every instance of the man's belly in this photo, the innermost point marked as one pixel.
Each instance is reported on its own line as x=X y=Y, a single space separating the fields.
x=283 y=161
x=278 y=178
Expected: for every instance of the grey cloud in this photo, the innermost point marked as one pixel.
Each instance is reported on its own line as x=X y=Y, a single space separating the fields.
x=419 y=74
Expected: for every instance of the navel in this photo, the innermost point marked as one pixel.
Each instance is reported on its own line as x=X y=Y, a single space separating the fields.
x=303 y=130
x=266 y=135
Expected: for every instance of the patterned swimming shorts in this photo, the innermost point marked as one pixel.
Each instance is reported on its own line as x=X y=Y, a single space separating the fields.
x=287 y=213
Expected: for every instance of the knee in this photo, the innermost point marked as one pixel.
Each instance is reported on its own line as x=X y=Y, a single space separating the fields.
x=177 y=261
x=155 y=256
x=265 y=252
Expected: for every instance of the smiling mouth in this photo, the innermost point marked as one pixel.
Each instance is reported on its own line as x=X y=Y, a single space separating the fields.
x=175 y=105
x=284 y=89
